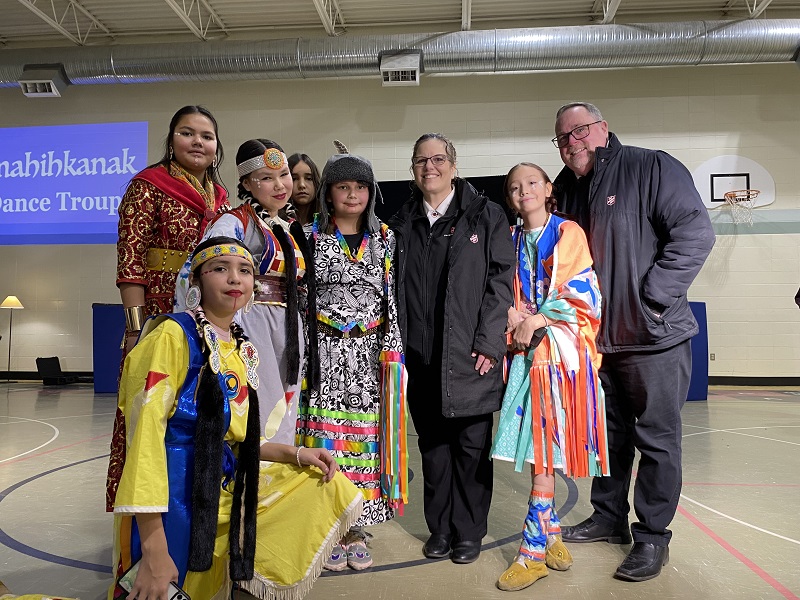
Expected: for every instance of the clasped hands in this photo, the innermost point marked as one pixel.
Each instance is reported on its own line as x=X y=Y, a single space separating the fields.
x=522 y=325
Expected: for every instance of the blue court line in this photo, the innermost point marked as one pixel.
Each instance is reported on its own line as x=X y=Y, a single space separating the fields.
x=569 y=503
x=13 y=544
x=18 y=546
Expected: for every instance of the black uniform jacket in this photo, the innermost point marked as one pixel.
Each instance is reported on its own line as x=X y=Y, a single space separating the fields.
x=477 y=295
x=649 y=234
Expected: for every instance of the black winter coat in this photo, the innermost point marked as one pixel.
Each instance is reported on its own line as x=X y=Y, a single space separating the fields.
x=478 y=295
x=649 y=234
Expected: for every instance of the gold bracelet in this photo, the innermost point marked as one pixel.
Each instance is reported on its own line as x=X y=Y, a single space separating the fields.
x=134 y=318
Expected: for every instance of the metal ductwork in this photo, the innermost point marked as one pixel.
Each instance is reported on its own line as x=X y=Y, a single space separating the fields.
x=488 y=51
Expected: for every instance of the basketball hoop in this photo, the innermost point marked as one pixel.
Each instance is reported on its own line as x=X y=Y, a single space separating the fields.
x=741 y=203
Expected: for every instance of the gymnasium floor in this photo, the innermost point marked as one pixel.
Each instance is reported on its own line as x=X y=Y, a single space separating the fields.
x=736 y=534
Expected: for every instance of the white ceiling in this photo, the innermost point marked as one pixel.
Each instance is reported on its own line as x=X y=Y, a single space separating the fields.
x=47 y=23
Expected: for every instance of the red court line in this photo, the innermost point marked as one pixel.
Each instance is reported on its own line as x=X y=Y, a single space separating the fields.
x=38 y=454
x=777 y=585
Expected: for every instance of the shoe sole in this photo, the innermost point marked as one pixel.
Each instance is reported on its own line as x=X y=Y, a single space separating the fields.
x=626 y=577
x=436 y=555
x=611 y=539
x=462 y=561
x=517 y=588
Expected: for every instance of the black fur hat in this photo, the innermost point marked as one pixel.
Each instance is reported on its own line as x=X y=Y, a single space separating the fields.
x=348 y=167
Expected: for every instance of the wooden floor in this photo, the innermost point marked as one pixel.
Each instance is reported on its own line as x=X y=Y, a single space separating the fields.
x=736 y=534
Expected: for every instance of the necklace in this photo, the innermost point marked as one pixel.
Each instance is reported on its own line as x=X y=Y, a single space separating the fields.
x=345 y=247
x=531 y=252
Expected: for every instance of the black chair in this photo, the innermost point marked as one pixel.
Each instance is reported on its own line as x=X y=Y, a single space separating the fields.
x=51 y=373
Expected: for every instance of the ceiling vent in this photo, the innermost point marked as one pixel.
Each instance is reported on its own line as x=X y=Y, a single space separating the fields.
x=43 y=83
x=401 y=68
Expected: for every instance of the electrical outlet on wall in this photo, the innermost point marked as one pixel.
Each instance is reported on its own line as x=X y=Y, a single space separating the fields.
x=712 y=356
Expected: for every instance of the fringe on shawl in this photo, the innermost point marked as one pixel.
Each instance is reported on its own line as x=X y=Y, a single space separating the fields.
x=394 y=430
x=263 y=588
x=583 y=404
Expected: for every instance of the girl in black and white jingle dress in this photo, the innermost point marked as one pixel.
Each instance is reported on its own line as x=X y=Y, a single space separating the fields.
x=359 y=408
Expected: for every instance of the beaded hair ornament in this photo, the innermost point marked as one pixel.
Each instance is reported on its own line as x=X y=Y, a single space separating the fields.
x=271 y=159
x=220 y=250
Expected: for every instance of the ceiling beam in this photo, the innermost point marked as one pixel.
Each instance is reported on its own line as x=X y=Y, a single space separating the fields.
x=331 y=16
x=610 y=10
x=198 y=16
x=466 y=15
x=758 y=7
x=68 y=17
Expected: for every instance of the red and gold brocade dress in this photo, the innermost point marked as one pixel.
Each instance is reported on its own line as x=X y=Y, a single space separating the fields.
x=162 y=217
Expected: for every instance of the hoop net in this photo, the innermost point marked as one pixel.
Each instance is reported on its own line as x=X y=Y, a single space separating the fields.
x=741 y=204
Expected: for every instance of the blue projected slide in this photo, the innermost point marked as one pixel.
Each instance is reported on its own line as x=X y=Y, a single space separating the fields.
x=63 y=184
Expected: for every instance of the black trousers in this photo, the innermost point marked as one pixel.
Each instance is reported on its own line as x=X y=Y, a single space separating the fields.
x=456 y=469
x=645 y=392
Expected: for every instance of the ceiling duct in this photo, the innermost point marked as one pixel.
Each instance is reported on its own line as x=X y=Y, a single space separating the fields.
x=43 y=82
x=400 y=68
x=491 y=51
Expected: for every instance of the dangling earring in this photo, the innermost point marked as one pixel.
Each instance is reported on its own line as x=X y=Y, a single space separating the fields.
x=193 y=297
x=248 y=307
x=171 y=153
x=214 y=163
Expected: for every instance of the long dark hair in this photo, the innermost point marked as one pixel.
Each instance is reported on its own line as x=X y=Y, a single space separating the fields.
x=194 y=109
x=299 y=157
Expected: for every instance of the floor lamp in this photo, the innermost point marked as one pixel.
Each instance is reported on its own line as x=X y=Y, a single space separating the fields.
x=13 y=303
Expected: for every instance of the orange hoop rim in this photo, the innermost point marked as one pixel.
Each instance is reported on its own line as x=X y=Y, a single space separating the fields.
x=736 y=196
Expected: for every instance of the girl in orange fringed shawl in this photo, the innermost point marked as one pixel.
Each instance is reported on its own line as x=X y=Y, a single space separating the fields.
x=553 y=413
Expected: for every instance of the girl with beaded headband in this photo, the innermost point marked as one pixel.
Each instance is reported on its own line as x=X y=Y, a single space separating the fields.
x=276 y=318
x=191 y=502
x=553 y=413
x=161 y=217
x=359 y=411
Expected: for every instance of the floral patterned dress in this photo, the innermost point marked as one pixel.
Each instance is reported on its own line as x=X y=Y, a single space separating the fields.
x=357 y=322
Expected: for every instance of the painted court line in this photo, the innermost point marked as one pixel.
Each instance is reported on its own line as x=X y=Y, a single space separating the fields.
x=777 y=585
x=740 y=522
x=16 y=460
x=52 y=439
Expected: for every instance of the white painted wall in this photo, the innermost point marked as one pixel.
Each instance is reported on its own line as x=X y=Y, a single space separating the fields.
x=695 y=113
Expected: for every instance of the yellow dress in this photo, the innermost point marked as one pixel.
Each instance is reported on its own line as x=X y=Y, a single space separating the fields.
x=299 y=518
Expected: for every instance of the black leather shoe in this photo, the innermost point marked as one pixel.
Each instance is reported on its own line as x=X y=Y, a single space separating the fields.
x=591 y=531
x=437 y=546
x=643 y=562
x=465 y=552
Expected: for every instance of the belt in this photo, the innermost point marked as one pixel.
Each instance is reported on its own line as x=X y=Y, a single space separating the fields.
x=164 y=259
x=355 y=332
x=271 y=289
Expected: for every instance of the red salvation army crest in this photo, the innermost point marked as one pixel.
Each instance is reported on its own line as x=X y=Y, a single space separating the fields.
x=474 y=238
x=611 y=200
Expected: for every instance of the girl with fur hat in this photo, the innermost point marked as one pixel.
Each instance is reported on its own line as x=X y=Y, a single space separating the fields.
x=190 y=506
x=358 y=412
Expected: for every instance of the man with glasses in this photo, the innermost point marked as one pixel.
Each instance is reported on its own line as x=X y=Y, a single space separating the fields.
x=649 y=234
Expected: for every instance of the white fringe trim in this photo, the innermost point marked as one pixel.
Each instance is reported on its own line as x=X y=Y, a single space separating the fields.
x=263 y=588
